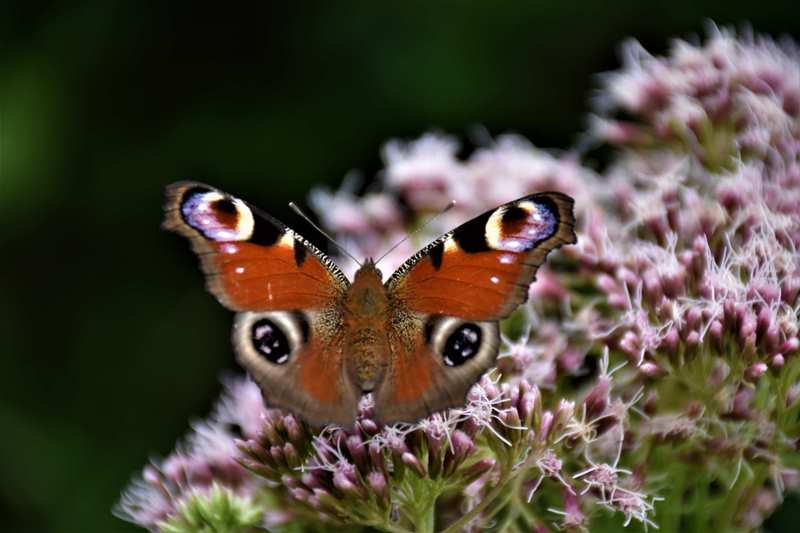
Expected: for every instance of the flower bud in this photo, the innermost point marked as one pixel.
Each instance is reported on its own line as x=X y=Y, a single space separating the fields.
x=740 y=408
x=358 y=451
x=545 y=427
x=630 y=344
x=462 y=446
x=345 y=484
x=277 y=454
x=693 y=339
x=290 y=481
x=597 y=399
x=379 y=485
x=693 y=318
x=311 y=480
x=412 y=462
x=790 y=346
x=294 y=430
x=477 y=469
x=291 y=455
x=528 y=405
x=607 y=284
x=300 y=494
x=652 y=370
x=369 y=427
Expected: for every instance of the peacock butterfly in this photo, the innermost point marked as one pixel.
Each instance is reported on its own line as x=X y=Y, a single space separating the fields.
x=315 y=342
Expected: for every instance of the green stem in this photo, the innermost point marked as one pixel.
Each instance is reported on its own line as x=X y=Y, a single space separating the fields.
x=390 y=528
x=505 y=476
x=511 y=516
x=514 y=509
x=671 y=510
x=475 y=511
x=427 y=520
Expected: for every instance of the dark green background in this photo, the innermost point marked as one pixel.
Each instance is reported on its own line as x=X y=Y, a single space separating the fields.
x=109 y=343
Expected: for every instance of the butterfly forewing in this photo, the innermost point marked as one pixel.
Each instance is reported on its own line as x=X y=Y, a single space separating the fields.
x=482 y=270
x=251 y=261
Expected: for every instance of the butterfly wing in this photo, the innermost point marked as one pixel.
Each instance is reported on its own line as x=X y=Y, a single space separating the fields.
x=296 y=357
x=451 y=294
x=251 y=261
x=286 y=293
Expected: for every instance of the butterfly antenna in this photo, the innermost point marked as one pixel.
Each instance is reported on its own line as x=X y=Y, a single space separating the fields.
x=297 y=210
x=449 y=206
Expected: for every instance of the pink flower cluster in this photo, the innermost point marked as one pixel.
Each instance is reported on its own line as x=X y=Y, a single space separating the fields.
x=207 y=458
x=733 y=96
x=657 y=358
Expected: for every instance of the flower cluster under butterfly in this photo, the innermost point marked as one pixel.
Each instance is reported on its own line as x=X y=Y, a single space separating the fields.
x=315 y=342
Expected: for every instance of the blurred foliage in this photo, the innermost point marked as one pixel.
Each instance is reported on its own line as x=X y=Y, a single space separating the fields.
x=110 y=345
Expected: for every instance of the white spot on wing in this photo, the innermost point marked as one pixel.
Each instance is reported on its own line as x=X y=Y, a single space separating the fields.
x=246 y=222
x=495 y=280
x=287 y=239
x=494 y=229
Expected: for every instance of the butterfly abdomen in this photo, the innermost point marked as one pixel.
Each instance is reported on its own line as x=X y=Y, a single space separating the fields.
x=365 y=356
x=366 y=307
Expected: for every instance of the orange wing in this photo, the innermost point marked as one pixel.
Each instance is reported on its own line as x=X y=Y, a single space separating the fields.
x=426 y=375
x=482 y=269
x=297 y=360
x=251 y=261
x=288 y=332
x=449 y=297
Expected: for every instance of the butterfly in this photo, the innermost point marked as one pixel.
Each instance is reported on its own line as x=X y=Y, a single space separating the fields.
x=316 y=342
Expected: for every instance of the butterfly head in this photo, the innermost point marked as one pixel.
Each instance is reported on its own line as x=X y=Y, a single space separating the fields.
x=367 y=295
x=368 y=273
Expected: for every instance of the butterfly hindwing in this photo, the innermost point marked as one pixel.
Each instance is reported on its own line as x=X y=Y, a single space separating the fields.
x=297 y=360
x=429 y=371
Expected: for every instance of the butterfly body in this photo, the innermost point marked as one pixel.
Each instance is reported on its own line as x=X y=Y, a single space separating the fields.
x=367 y=315
x=316 y=342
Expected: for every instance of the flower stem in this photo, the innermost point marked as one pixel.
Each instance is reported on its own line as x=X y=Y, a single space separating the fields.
x=459 y=524
x=505 y=476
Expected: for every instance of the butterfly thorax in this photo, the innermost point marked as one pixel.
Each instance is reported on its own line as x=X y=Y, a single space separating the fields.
x=366 y=307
